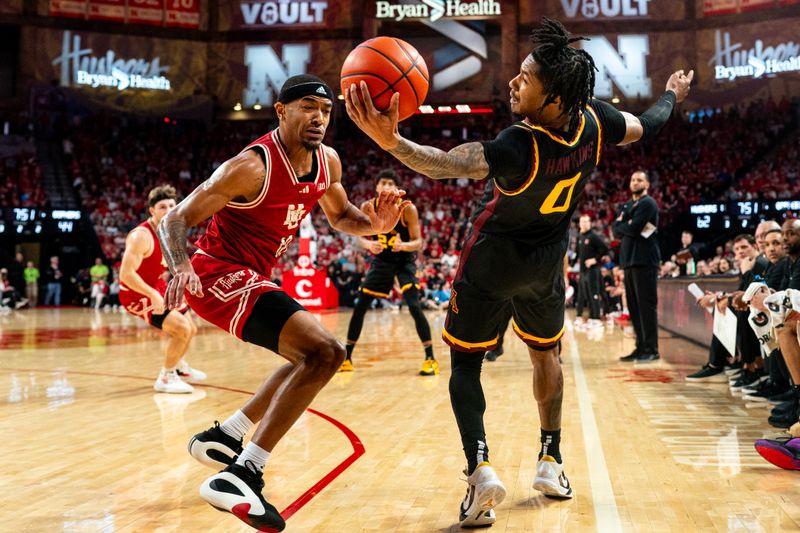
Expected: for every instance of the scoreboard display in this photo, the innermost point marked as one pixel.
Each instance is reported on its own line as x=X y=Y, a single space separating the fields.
x=740 y=214
x=33 y=221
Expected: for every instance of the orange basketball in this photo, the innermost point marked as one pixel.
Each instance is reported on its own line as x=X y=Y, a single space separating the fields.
x=389 y=66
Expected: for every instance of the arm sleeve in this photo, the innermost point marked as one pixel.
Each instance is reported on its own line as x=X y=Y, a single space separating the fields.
x=611 y=120
x=510 y=157
x=656 y=116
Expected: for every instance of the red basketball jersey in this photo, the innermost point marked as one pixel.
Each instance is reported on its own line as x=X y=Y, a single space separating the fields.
x=257 y=233
x=153 y=266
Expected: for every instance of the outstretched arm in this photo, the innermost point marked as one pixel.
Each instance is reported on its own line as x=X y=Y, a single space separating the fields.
x=346 y=217
x=239 y=178
x=463 y=161
x=649 y=123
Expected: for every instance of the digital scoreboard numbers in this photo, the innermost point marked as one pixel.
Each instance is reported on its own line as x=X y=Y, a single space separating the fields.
x=740 y=215
x=33 y=221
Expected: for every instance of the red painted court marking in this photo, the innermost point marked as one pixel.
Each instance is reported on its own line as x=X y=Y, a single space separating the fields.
x=299 y=503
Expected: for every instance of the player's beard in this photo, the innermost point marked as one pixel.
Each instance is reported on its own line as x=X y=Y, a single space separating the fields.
x=311 y=146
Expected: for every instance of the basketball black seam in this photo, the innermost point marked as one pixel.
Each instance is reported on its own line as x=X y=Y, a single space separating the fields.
x=405 y=75
x=414 y=61
x=402 y=74
x=384 y=80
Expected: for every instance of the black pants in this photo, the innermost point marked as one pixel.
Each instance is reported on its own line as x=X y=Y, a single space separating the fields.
x=589 y=292
x=746 y=340
x=641 y=293
x=718 y=355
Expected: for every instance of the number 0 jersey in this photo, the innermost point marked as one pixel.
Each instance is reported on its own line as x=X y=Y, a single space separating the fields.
x=535 y=205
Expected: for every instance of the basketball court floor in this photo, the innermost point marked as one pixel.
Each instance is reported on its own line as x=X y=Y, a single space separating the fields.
x=95 y=449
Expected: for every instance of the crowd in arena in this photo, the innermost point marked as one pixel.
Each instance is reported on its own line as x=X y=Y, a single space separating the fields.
x=710 y=155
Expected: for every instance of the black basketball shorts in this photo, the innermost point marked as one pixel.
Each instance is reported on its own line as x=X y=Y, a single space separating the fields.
x=381 y=274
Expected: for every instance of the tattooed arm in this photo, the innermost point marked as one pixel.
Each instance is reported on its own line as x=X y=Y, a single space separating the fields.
x=464 y=161
x=238 y=179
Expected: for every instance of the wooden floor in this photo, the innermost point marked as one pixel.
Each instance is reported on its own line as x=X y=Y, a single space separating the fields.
x=94 y=449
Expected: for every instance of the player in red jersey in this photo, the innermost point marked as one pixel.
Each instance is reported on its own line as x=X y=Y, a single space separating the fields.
x=142 y=288
x=257 y=200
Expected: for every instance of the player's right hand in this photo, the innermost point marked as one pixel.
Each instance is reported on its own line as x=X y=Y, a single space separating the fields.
x=375 y=247
x=679 y=83
x=184 y=279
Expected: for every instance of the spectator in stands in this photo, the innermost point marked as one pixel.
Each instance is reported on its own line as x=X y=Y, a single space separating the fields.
x=53 y=279
x=31 y=275
x=9 y=295
x=686 y=257
x=99 y=275
x=16 y=271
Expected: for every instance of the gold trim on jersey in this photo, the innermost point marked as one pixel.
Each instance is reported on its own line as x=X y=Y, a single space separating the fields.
x=599 y=134
x=532 y=176
x=407 y=286
x=374 y=293
x=557 y=138
x=533 y=338
x=264 y=187
x=472 y=346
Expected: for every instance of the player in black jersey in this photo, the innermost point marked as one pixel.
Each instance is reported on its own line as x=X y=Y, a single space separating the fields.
x=395 y=257
x=535 y=171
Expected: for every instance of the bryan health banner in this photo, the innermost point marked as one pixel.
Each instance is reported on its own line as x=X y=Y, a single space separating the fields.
x=120 y=71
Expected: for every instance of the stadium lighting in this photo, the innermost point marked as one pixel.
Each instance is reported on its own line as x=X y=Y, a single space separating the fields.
x=463 y=108
x=615 y=100
x=237 y=107
x=341 y=97
x=444 y=109
x=257 y=107
x=426 y=109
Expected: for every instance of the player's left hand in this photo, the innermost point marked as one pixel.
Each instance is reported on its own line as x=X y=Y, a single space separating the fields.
x=385 y=214
x=679 y=83
x=397 y=246
x=380 y=126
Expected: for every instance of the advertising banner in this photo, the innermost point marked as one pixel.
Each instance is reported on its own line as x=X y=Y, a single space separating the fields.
x=719 y=7
x=65 y=8
x=113 y=10
x=146 y=12
x=635 y=65
x=601 y=10
x=116 y=70
x=294 y=14
x=183 y=13
x=463 y=69
x=253 y=73
x=759 y=60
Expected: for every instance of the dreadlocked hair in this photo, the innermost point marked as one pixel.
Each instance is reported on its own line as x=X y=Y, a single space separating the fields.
x=565 y=72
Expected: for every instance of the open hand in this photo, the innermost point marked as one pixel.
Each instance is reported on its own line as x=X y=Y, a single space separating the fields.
x=184 y=279
x=679 y=83
x=387 y=210
x=379 y=126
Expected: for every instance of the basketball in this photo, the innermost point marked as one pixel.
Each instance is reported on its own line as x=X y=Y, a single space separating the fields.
x=388 y=65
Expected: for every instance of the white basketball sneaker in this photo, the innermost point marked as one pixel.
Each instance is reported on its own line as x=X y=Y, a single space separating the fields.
x=171 y=382
x=190 y=374
x=484 y=492
x=551 y=479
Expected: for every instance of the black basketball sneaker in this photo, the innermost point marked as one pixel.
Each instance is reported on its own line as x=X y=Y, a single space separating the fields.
x=215 y=448
x=237 y=490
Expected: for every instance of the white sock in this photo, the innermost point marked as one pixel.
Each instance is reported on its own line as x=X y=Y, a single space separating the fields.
x=165 y=370
x=255 y=454
x=237 y=425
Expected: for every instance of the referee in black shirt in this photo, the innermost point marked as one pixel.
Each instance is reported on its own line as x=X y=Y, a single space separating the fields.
x=639 y=258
